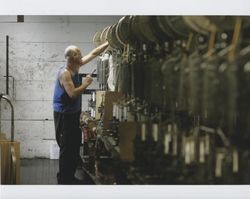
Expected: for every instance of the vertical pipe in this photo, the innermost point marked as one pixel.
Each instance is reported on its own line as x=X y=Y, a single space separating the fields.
x=12 y=115
x=7 y=65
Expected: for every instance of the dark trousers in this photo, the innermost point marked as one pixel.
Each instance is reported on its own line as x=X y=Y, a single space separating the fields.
x=68 y=137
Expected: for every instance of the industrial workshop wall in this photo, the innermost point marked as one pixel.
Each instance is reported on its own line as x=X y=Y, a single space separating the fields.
x=36 y=49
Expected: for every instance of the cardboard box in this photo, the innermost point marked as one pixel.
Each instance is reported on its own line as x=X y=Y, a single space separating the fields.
x=54 y=150
x=127 y=133
x=110 y=98
x=6 y=148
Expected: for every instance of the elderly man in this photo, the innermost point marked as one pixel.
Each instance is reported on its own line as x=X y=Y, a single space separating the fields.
x=66 y=104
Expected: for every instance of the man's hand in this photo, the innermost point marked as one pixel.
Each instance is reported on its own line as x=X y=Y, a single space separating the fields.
x=88 y=80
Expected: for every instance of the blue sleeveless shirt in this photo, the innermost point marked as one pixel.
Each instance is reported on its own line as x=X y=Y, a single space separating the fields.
x=61 y=101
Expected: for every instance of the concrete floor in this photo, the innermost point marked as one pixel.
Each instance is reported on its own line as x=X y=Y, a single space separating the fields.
x=38 y=171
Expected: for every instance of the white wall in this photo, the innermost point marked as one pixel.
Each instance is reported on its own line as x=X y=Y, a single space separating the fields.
x=36 y=50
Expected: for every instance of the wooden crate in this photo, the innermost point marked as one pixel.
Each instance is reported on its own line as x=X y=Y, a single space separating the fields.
x=5 y=161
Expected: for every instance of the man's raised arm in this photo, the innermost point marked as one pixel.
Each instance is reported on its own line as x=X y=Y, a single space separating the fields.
x=98 y=50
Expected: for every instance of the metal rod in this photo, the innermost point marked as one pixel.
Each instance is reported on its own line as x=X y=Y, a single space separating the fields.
x=93 y=72
x=12 y=115
x=7 y=65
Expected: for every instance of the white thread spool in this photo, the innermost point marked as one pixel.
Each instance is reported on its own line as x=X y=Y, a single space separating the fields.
x=155 y=132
